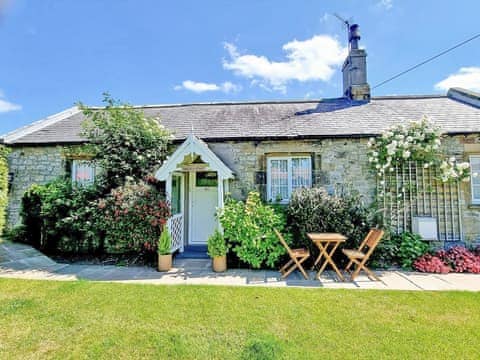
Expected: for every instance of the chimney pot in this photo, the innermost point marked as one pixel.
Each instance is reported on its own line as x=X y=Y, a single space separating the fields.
x=354 y=36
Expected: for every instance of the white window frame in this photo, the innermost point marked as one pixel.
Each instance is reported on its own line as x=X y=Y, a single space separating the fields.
x=474 y=201
x=75 y=164
x=289 y=174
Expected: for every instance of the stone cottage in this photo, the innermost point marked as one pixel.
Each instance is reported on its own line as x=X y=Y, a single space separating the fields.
x=277 y=147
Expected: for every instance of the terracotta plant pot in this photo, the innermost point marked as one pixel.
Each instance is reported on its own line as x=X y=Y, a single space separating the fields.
x=164 y=262
x=219 y=263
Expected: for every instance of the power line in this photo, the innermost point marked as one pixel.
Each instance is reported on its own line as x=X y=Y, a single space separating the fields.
x=427 y=61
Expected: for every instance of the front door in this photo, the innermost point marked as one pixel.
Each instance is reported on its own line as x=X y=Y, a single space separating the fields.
x=204 y=201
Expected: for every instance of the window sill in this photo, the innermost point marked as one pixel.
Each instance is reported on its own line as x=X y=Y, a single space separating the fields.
x=474 y=205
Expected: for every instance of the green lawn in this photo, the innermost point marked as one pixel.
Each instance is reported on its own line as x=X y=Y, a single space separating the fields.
x=43 y=319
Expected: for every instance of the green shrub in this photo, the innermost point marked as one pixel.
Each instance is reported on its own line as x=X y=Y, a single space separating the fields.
x=30 y=214
x=58 y=217
x=4 y=151
x=165 y=242
x=79 y=227
x=314 y=210
x=17 y=234
x=131 y=218
x=217 y=245
x=411 y=248
x=386 y=252
x=248 y=227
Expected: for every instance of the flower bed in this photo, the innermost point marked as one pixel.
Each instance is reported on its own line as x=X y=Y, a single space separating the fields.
x=456 y=259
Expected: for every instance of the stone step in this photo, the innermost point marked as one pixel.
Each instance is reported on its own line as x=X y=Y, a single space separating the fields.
x=193 y=252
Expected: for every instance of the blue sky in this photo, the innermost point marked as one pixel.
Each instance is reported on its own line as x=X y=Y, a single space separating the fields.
x=57 y=52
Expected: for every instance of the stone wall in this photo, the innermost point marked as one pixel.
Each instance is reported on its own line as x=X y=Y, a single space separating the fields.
x=335 y=162
x=31 y=165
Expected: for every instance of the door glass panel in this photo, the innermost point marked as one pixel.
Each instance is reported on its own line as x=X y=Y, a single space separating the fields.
x=176 y=195
x=206 y=179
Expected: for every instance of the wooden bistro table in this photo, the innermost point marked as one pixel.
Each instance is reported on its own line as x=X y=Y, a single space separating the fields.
x=324 y=241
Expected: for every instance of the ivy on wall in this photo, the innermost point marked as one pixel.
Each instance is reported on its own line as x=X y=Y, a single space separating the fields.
x=3 y=185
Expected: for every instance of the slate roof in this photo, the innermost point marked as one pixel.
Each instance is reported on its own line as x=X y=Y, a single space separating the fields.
x=459 y=112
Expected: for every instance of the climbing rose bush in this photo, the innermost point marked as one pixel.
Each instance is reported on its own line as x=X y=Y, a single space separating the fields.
x=452 y=169
x=416 y=141
x=124 y=141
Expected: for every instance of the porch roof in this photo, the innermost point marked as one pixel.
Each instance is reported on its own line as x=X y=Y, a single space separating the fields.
x=193 y=145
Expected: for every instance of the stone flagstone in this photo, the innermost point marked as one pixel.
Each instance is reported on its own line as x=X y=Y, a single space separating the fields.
x=23 y=262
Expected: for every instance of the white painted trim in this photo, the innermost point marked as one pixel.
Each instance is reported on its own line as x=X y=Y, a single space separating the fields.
x=474 y=201
x=193 y=145
x=220 y=193
x=289 y=173
x=38 y=125
x=191 y=181
x=168 y=188
x=182 y=206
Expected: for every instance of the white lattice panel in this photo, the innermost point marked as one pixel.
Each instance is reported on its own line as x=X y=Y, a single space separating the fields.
x=175 y=226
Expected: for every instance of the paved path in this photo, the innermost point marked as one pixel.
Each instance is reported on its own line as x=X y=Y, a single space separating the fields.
x=23 y=262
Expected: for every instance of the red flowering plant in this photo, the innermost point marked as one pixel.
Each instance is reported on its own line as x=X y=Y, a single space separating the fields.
x=456 y=259
x=431 y=264
x=132 y=217
x=461 y=259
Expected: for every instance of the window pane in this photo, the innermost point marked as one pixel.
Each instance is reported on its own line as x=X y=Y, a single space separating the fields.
x=279 y=179
x=475 y=168
x=175 y=198
x=83 y=173
x=301 y=173
x=476 y=192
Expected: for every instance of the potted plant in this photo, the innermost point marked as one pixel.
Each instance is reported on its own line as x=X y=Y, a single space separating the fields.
x=164 y=251
x=217 y=250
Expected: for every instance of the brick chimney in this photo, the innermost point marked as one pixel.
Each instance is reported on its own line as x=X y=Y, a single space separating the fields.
x=354 y=68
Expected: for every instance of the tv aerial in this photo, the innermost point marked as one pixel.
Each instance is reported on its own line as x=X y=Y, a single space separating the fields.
x=346 y=23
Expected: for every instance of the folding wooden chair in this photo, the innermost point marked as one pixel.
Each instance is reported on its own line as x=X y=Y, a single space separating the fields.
x=297 y=257
x=360 y=257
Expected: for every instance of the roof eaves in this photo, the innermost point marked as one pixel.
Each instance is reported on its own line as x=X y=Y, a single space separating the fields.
x=12 y=136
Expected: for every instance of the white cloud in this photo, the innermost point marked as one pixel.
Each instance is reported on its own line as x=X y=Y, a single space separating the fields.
x=386 y=4
x=200 y=87
x=6 y=106
x=308 y=60
x=466 y=77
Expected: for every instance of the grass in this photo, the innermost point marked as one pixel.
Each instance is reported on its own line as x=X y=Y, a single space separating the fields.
x=46 y=319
